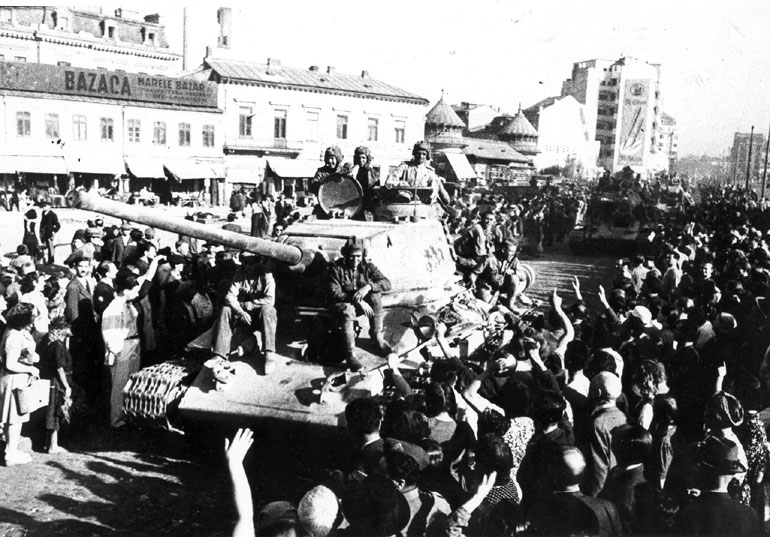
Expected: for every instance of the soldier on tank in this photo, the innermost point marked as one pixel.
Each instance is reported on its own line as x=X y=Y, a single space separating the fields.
x=367 y=177
x=356 y=287
x=417 y=173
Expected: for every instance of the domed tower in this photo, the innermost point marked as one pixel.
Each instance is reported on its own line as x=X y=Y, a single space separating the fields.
x=520 y=134
x=443 y=127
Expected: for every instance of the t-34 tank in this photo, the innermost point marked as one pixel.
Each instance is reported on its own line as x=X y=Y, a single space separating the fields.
x=412 y=249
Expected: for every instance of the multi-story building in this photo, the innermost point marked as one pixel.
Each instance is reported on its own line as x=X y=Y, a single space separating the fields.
x=67 y=126
x=668 y=140
x=564 y=136
x=739 y=157
x=278 y=120
x=475 y=116
x=623 y=109
x=86 y=37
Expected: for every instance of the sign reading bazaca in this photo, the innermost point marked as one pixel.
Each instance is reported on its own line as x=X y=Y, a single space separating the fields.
x=107 y=84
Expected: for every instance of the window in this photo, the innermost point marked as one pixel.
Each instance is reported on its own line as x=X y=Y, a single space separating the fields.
x=342 y=127
x=5 y=14
x=279 y=124
x=79 y=128
x=111 y=32
x=151 y=38
x=374 y=128
x=312 y=118
x=20 y=59
x=159 y=133
x=184 y=134
x=400 y=131
x=244 y=121
x=52 y=126
x=23 y=123
x=208 y=136
x=63 y=64
x=107 y=126
x=134 y=131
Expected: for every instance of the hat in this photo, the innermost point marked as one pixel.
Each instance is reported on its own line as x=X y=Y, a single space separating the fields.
x=605 y=385
x=273 y=512
x=94 y=233
x=375 y=507
x=317 y=510
x=149 y=233
x=725 y=323
x=414 y=452
x=126 y=227
x=643 y=314
x=352 y=247
x=720 y=455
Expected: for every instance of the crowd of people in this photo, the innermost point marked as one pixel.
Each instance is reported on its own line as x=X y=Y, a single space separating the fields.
x=646 y=416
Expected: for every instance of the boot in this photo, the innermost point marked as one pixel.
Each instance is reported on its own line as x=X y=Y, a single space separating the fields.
x=375 y=332
x=270 y=362
x=349 y=333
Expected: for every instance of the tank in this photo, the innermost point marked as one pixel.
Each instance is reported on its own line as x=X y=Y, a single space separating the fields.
x=409 y=245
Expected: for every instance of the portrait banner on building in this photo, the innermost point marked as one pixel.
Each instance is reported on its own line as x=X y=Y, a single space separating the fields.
x=106 y=84
x=636 y=101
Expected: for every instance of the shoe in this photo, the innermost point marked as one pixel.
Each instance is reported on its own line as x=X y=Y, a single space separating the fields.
x=382 y=346
x=354 y=364
x=55 y=450
x=270 y=362
x=15 y=458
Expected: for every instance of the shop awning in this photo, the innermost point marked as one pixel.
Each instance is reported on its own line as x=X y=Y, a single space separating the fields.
x=145 y=167
x=33 y=164
x=248 y=176
x=184 y=169
x=217 y=168
x=293 y=169
x=461 y=166
x=97 y=163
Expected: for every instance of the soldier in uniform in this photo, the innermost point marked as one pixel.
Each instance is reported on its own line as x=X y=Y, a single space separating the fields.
x=366 y=176
x=332 y=170
x=417 y=173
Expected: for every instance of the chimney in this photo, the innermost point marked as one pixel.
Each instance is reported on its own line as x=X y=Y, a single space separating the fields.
x=314 y=68
x=273 y=62
x=153 y=19
x=330 y=70
x=364 y=74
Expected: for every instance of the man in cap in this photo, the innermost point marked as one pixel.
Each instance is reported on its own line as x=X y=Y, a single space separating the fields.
x=603 y=392
x=120 y=251
x=417 y=173
x=713 y=511
x=49 y=226
x=356 y=288
x=250 y=301
x=366 y=176
x=332 y=170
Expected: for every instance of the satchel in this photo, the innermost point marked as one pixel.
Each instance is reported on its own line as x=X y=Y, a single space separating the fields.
x=32 y=396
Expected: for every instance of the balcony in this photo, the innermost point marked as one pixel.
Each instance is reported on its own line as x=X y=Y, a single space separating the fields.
x=263 y=146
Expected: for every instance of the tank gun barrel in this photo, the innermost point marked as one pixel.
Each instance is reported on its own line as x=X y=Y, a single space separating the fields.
x=285 y=253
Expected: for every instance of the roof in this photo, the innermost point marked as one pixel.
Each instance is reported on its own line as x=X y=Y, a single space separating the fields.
x=442 y=114
x=492 y=150
x=545 y=103
x=519 y=126
x=308 y=80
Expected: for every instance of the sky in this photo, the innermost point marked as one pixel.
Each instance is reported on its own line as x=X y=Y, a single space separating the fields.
x=715 y=71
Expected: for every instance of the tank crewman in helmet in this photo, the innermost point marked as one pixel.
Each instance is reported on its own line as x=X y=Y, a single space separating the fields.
x=416 y=173
x=356 y=287
x=366 y=176
x=332 y=169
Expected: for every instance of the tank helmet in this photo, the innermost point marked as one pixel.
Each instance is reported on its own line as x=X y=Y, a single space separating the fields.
x=363 y=150
x=421 y=146
x=334 y=151
x=351 y=248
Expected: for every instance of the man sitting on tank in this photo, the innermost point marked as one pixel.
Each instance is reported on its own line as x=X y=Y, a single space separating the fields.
x=333 y=169
x=249 y=302
x=366 y=176
x=356 y=287
x=416 y=173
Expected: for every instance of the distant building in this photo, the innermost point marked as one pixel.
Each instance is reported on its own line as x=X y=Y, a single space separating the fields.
x=88 y=38
x=444 y=131
x=279 y=119
x=564 y=140
x=475 y=116
x=739 y=157
x=622 y=108
x=668 y=140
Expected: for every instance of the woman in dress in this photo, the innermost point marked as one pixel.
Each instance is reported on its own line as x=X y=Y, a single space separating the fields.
x=17 y=350
x=30 y=234
x=32 y=286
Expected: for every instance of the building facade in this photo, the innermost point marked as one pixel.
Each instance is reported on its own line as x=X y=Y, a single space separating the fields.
x=564 y=137
x=739 y=157
x=668 y=140
x=86 y=37
x=623 y=104
x=66 y=127
x=278 y=120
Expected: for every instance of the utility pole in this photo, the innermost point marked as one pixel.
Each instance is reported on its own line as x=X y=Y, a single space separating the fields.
x=764 y=172
x=748 y=163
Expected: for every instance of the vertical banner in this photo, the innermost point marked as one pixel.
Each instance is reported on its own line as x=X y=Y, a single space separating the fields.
x=636 y=101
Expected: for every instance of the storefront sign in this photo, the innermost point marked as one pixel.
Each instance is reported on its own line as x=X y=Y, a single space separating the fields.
x=107 y=84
